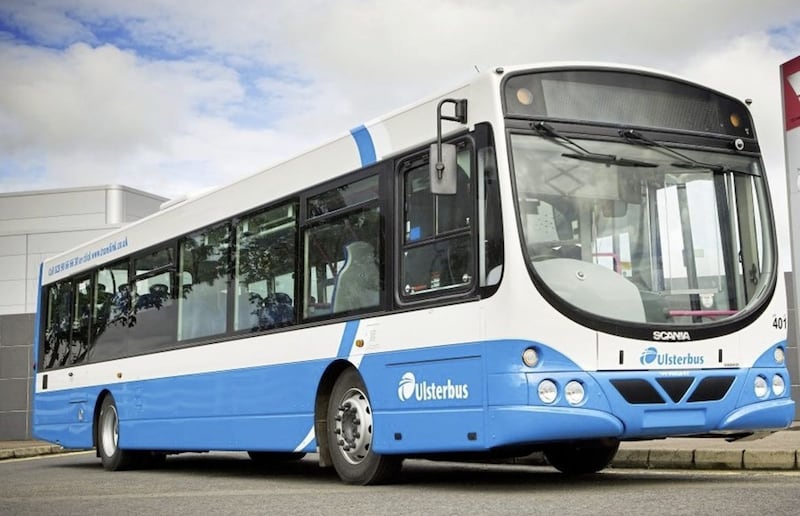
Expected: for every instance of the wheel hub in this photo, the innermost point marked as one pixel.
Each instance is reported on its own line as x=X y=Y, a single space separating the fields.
x=353 y=426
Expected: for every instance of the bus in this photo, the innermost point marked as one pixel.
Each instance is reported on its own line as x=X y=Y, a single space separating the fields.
x=552 y=258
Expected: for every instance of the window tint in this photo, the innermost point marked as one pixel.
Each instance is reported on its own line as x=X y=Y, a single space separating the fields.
x=343 y=196
x=490 y=230
x=112 y=312
x=82 y=314
x=56 y=340
x=342 y=257
x=152 y=325
x=203 y=283
x=265 y=264
x=437 y=244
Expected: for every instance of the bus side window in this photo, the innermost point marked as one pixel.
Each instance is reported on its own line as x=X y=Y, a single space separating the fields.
x=264 y=277
x=343 y=250
x=57 y=332
x=82 y=314
x=202 y=305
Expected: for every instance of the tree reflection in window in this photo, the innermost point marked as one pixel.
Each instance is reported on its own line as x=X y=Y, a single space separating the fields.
x=265 y=263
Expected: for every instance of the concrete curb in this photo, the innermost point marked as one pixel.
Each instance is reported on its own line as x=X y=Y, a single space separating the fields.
x=707 y=459
x=30 y=451
x=642 y=458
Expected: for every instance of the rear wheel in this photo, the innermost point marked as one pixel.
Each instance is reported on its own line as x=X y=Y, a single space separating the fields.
x=350 y=435
x=582 y=457
x=111 y=455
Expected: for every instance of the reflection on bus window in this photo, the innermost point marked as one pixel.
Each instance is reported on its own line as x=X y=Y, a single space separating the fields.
x=82 y=313
x=57 y=333
x=681 y=245
x=265 y=249
x=203 y=276
x=112 y=312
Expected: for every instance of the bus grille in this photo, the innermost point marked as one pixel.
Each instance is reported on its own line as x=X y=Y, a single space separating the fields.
x=639 y=391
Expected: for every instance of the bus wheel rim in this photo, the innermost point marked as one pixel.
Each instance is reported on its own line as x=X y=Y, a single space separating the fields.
x=110 y=431
x=353 y=426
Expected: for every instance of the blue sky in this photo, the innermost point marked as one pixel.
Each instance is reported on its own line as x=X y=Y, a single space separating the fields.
x=177 y=96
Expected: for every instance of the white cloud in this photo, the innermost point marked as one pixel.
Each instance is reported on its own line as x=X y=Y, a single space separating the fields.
x=170 y=96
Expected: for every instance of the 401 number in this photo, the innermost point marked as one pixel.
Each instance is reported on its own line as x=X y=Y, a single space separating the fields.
x=779 y=322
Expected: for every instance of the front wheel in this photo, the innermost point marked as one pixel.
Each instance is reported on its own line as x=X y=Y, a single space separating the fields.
x=582 y=457
x=350 y=434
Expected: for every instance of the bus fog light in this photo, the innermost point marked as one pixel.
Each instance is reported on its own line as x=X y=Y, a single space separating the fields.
x=574 y=392
x=530 y=357
x=760 y=387
x=547 y=391
x=779 y=355
x=778 y=385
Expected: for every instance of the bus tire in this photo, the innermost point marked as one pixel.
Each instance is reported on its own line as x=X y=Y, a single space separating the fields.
x=111 y=455
x=350 y=435
x=582 y=457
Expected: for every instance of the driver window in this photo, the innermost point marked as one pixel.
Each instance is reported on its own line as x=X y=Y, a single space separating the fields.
x=437 y=244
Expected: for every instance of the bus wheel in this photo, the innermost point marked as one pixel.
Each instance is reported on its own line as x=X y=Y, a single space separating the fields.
x=583 y=457
x=262 y=457
x=350 y=435
x=112 y=456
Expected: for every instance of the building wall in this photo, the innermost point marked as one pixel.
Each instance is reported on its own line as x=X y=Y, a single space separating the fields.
x=35 y=226
x=792 y=348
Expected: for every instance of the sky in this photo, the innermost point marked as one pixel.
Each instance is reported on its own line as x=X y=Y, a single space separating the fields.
x=176 y=96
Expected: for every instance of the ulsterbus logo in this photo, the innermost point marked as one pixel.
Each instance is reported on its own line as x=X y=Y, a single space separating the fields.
x=425 y=391
x=651 y=356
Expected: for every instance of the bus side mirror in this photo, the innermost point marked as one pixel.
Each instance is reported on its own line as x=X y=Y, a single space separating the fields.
x=442 y=158
x=443 y=169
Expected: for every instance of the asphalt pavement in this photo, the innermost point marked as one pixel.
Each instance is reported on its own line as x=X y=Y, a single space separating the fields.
x=775 y=451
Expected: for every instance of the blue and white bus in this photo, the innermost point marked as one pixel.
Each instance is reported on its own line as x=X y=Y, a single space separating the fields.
x=549 y=258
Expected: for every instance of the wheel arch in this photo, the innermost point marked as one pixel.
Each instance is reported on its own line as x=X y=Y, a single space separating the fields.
x=322 y=399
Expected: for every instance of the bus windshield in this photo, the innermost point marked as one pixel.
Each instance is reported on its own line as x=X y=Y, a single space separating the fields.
x=642 y=235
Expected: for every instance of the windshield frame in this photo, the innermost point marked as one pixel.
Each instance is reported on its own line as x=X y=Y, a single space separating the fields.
x=587 y=133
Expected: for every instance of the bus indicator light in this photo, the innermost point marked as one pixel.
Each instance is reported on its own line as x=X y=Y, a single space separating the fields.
x=779 y=355
x=530 y=357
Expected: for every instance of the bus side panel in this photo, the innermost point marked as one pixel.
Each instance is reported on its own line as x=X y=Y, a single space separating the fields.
x=65 y=417
x=262 y=408
x=428 y=399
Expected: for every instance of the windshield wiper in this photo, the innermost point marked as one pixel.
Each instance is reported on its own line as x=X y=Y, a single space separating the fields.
x=587 y=155
x=686 y=162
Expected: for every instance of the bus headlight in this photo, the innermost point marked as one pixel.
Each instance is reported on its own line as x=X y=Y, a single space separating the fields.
x=530 y=357
x=760 y=387
x=548 y=392
x=778 y=385
x=779 y=355
x=574 y=392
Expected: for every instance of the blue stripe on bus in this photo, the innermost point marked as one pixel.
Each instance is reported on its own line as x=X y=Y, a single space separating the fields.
x=349 y=335
x=366 y=149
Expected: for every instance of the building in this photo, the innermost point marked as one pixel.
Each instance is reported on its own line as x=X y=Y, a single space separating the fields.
x=33 y=226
